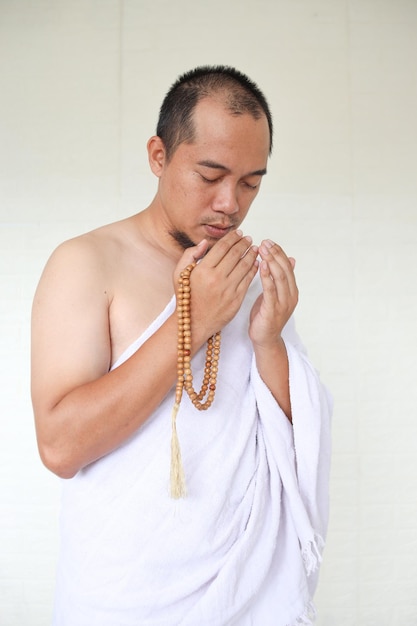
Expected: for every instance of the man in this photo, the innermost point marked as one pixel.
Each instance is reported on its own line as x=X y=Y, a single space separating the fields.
x=243 y=546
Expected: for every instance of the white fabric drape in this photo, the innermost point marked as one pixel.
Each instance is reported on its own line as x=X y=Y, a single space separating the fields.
x=244 y=547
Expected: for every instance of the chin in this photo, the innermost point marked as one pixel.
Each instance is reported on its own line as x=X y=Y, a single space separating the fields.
x=182 y=239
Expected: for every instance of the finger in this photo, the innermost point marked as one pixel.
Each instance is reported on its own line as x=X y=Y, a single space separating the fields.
x=236 y=269
x=269 y=287
x=281 y=266
x=191 y=255
x=278 y=304
x=269 y=247
x=221 y=248
x=240 y=258
x=228 y=251
x=245 y=271
x=197 y=252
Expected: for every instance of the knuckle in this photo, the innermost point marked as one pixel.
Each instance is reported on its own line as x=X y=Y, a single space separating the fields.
x=280 y=275
x=241 y=248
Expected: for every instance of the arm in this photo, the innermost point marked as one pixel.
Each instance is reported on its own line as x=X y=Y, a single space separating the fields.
x=269 y=315
x=83 y=411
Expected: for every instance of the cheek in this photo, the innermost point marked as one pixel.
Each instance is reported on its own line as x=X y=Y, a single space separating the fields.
x=179 y=191
x=197 y=194
x=190 y=199
x=246 y=200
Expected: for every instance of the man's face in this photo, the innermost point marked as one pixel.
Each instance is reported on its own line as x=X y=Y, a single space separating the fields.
x=207 y=187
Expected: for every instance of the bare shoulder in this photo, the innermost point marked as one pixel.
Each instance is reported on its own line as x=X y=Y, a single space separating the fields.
x=94 y=284
x=70 y=324
x=83 y=256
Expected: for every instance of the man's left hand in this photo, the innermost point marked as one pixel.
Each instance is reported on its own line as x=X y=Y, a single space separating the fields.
x=275 y=305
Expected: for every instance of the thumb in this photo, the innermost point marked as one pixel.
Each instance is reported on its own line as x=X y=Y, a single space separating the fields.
x=198 y=251
x=191 y=255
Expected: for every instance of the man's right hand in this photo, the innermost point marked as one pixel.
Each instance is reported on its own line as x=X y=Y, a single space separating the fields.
x=219 y=282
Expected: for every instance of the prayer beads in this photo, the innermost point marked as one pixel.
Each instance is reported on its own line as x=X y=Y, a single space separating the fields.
x=184 y=374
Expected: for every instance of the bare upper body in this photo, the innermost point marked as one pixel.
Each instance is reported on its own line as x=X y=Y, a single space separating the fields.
x=100 y=291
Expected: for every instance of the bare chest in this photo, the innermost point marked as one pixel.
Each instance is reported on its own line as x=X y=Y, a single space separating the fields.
x=140 y=294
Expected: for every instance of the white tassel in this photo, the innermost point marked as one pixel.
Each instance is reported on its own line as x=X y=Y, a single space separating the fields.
x=178 y=487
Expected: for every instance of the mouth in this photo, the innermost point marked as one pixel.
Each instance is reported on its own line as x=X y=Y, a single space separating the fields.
x=217 y=231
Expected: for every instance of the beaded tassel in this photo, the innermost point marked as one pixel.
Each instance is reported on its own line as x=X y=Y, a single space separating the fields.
x=185 y=377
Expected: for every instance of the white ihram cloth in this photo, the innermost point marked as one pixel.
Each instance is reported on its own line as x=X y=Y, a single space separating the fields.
x=243 y=548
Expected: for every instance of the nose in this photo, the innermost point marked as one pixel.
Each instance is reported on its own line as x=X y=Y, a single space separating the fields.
x=225 y=200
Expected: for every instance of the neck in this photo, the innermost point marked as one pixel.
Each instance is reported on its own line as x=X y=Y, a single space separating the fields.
x=158 y=236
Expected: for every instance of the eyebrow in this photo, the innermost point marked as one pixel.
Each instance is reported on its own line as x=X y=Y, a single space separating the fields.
x=218 y=166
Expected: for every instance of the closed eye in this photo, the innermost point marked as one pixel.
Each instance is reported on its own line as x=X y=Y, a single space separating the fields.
x=254 y=185
x=209 y=180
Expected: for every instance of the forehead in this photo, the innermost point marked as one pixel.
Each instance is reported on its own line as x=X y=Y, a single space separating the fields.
x=217 y=129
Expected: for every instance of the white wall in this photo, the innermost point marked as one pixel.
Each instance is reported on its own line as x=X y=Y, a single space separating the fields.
x=81 y=83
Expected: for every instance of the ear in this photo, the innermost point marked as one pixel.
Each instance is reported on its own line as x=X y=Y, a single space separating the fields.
x=156 y=155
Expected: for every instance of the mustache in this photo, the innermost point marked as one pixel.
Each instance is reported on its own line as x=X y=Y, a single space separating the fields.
x=184 y=241
x=212 y=221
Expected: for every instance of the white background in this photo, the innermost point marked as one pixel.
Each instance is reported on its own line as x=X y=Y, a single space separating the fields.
x=81 y=82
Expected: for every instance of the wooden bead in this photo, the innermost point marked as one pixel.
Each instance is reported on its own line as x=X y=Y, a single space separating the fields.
x=184 y=374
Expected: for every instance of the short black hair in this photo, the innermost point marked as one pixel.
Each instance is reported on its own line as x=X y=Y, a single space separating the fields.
x=240 y=94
